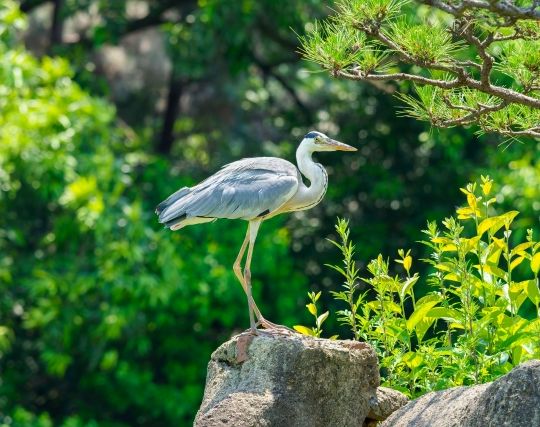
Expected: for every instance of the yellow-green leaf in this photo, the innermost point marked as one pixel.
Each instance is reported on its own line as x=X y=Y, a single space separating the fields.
x=445 y=313
x=322 y=318
x=486 y=187
x=470 y=244
x=452 y=277
x=486 y=224
x=493 y=224
x=407 y=263
x=494 y=255
x=465 y=213
x=471 y=201
x=422 y=307
x=519 y=249
x=532 y=291
x=444 y=266
x=535 y=263
x=441 y=240
x=515 y=262
x=303 y=330
x=407 y=285
x=392 y=306
x=312 y=308
x=493 y=270
x=413 y=359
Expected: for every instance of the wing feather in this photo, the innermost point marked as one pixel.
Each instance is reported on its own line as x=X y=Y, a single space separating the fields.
x=244 y=189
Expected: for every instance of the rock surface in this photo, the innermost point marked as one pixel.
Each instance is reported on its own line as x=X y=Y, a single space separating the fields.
x=291 y=381
x=512 y=400
x=385 y=402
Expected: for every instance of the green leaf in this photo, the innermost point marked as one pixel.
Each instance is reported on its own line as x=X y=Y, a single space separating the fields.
x=422 y=308
x=446 y=313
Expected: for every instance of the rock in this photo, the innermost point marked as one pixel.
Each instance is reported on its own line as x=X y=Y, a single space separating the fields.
x=512 y=400
x=291 y=381
x=385 y=402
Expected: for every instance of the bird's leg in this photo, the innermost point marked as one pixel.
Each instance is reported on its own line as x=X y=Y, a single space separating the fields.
x=238 y=272
x=252 y=231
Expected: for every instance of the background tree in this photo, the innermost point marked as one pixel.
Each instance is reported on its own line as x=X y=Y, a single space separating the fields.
x=473 y=63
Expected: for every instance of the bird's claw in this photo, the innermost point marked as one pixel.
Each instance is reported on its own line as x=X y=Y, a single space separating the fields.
x=274 y=328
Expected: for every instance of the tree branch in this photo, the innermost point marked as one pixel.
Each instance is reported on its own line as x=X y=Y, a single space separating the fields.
x=508 y=95
x=443 y=84
x=529 y=132
x=474 y=113
x=501 y=7
x=269 y=71
x=466 y=29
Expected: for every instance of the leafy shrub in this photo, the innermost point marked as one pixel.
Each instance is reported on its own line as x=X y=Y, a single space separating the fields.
x=481 y=316
x=317 y=330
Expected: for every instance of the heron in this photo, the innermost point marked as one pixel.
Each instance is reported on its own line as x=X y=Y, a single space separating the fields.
x=253 y=189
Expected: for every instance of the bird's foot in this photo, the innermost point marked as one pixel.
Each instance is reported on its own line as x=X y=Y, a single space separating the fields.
x=273 y=327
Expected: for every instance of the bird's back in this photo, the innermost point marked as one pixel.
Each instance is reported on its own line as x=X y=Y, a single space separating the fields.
x=244 y=189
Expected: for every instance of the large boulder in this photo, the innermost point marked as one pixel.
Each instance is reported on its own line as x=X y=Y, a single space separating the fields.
x=292 y=380
x=512 y=400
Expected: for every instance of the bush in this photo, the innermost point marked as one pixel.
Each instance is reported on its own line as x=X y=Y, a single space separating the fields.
x=480 y=318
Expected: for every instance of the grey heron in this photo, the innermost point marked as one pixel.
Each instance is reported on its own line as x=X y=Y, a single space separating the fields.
x=254 y=190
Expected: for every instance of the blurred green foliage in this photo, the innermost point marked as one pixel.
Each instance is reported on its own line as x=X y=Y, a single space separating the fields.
x=100 y=307
x=107 y=319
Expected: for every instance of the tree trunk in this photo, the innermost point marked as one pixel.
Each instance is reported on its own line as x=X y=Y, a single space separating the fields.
x=57 y=25
x=165 y=142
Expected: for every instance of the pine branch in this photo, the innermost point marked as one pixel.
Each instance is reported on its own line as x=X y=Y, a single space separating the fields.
x=502 y=8
x=366 y=41
x=474 y=114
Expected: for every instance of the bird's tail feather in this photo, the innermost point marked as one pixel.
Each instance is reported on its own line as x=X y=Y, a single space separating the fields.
x=175 y=222
x=171 y=199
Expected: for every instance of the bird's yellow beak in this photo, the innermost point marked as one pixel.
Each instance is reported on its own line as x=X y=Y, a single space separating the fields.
x=339 y=146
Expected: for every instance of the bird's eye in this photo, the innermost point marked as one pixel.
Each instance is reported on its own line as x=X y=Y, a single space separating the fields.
x=318 y=140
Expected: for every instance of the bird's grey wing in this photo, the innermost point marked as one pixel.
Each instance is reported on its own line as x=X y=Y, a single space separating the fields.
x=244 y=189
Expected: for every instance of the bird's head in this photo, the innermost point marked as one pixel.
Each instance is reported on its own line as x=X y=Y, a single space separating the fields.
x=318 y=141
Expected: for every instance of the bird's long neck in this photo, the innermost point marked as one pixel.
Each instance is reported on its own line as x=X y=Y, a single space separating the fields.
x=307 y=197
